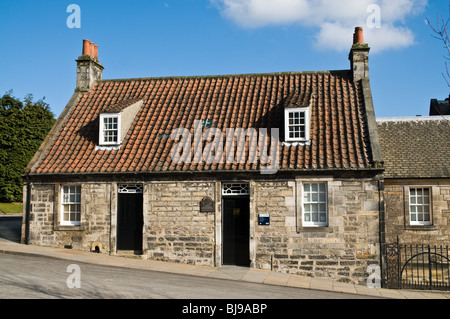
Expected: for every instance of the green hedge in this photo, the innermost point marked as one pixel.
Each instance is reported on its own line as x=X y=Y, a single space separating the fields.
x=23 y=127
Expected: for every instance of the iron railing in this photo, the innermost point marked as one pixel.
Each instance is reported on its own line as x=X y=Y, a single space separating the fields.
x=417 y=266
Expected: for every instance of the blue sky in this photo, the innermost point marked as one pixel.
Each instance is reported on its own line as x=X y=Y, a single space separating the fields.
x=138 y=38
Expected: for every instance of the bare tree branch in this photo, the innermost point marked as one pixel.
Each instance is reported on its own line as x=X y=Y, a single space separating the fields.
x=442 y=34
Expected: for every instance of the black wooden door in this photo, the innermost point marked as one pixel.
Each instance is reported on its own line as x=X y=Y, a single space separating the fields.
x=236 y=231
x=129 y=222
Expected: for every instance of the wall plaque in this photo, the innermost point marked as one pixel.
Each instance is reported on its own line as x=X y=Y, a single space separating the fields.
x=263 y=219
x=206 y=205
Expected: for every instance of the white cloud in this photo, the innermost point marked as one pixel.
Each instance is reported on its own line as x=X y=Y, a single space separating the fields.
x=334 y=20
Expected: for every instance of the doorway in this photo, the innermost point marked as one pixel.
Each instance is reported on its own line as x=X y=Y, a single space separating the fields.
x=236 y=230
x=130 y=218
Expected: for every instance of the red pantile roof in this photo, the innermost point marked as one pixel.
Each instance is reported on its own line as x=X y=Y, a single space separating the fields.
x=338 y=131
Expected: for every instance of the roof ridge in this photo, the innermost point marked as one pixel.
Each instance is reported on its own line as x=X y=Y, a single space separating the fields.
x=413 y=118
x=223 y=75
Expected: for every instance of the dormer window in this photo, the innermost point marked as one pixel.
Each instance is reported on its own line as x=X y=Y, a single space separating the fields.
x=115 y=121
x=110 y=129
x=296 y=124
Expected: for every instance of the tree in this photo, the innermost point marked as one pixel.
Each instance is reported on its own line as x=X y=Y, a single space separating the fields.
x=440 y=30
x=23 y=127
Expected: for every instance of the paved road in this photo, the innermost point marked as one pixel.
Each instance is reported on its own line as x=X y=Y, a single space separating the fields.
x=40 y=277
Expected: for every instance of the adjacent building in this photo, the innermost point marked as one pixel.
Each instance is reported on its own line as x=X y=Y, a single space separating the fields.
x=417 y=179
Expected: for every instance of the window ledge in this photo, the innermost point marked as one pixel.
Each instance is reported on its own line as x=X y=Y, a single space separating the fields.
x=69 y=227
x=314 y=229
x=421 y=227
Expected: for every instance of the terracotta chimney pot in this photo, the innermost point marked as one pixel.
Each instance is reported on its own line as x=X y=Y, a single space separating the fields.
x=86 y=47
x=96 y=52
x=358 y=36
x=92 y=49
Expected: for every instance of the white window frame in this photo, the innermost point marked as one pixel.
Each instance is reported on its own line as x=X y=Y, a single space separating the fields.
x=288 y=125
x=314 y=198
x=102 y=129
x=71 y=200
x=419 y=205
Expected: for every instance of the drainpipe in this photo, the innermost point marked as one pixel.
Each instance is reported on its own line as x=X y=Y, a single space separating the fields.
x=27 y=213
x=296 y=208
x=382 y=232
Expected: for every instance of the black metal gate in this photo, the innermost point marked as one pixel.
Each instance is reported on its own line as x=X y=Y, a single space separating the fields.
x=417 y=266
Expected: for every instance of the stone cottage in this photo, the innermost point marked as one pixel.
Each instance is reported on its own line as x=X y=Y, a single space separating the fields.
x=417 y=178
x=276 y=171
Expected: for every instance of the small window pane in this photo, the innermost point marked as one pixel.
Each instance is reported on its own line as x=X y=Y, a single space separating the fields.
x=307 y=197
x=322 y=197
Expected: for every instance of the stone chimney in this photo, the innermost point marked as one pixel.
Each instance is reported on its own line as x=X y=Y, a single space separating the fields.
x=359 y=56
x=89 y=69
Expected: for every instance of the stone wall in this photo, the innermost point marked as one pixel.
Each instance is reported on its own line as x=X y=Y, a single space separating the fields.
x=176 y=229
x=41 y=214
x=341 y=251
x=93 y=231
x=397 y=212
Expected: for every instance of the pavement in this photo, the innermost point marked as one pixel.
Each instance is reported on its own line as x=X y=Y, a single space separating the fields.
x=225 y=272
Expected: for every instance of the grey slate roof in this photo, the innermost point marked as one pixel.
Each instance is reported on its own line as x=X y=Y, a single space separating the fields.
x=416 y=147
